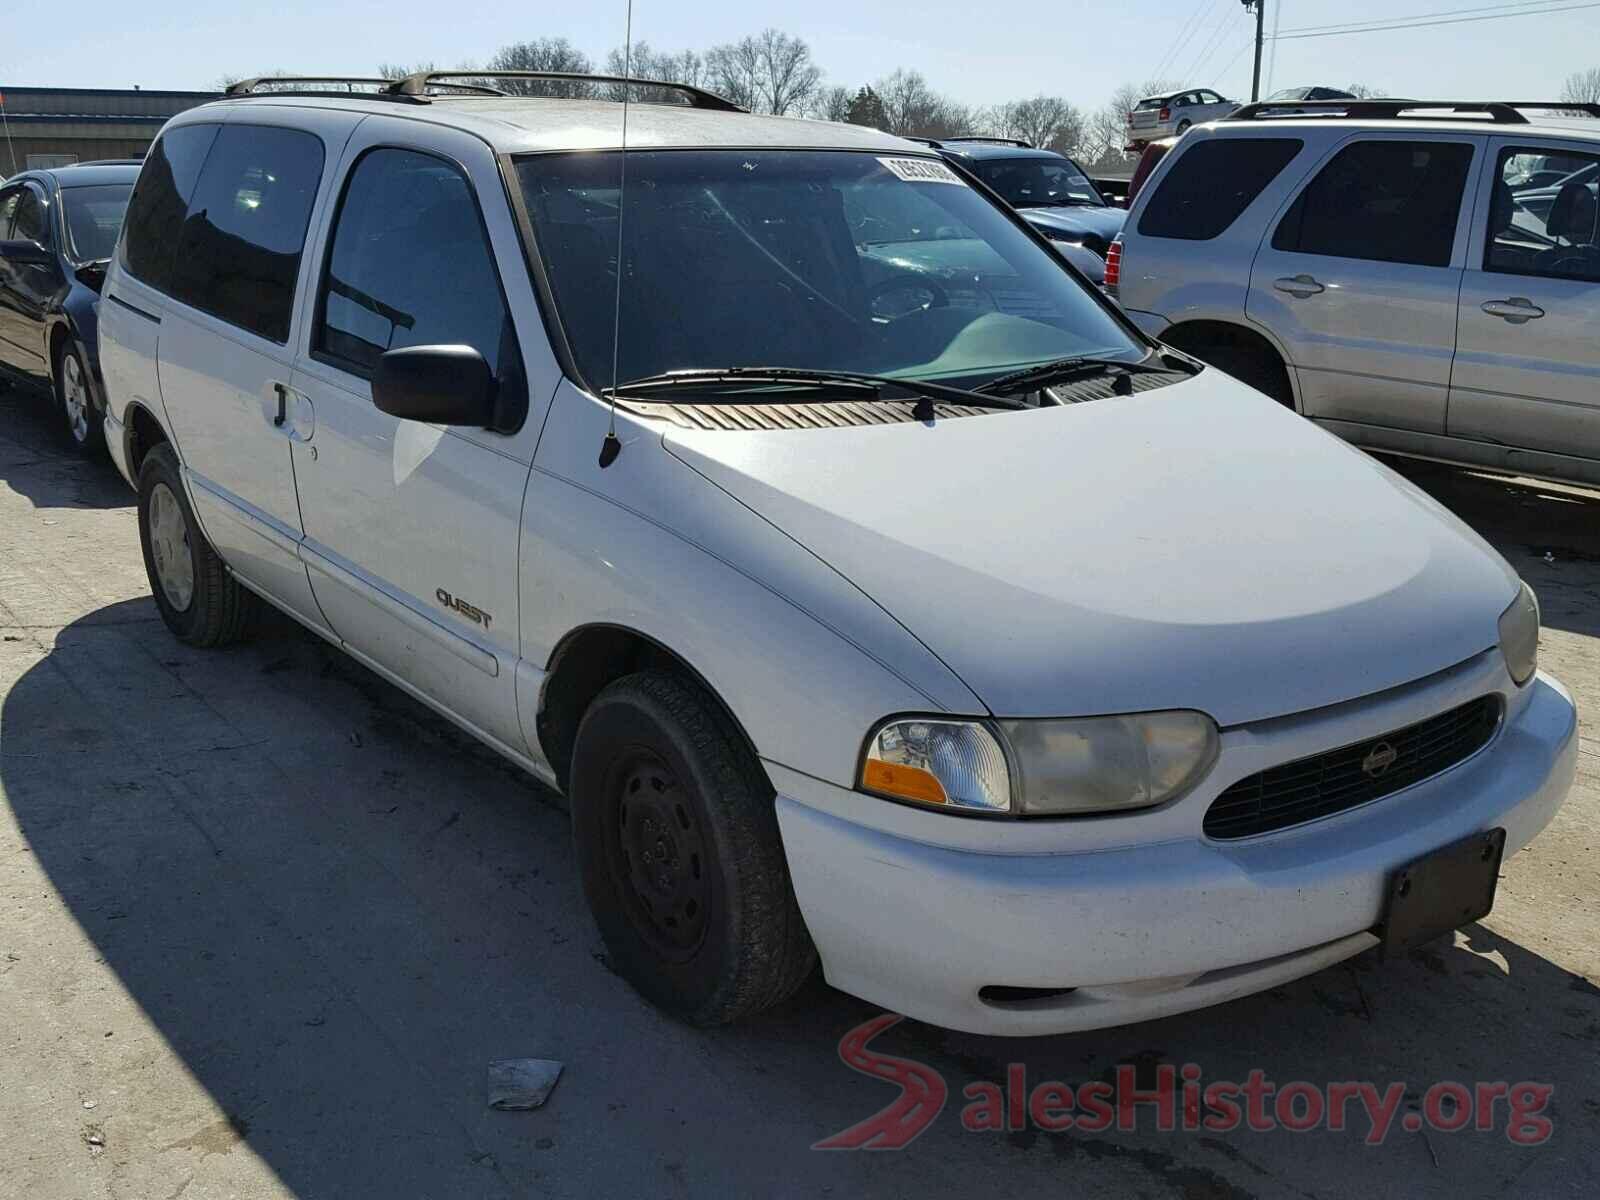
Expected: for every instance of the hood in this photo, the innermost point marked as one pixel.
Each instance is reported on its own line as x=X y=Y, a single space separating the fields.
x=1104 y=223
x=1193 y=546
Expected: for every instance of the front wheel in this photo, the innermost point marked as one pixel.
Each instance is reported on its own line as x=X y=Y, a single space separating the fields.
x=677 y=841
x=201 y=603
x=82 y=424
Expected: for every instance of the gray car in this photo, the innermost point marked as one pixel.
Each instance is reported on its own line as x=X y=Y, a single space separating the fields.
x=1174 y=113
x=1395 y=272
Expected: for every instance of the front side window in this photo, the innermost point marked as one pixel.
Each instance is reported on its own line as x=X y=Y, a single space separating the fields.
x=239 y=251
x=94 y=216
x=160 y=199
x=1204 y=192
x=8 y=205
x=29 y=221
x=1544 y=217
x=411 y=265
x=1038 y=182
x=825 y=260
x=1382 y=201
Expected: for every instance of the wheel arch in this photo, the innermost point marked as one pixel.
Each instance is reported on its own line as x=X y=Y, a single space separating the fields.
x=143 y=432
x=1191 y=335
x=584 y=662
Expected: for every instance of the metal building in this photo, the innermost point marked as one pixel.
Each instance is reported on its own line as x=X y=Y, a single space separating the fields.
x=44 y=127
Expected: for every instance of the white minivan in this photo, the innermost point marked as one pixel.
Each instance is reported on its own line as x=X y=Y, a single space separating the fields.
x=872 y=588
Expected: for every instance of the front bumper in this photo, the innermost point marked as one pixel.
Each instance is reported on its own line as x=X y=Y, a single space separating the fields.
x=918 y=911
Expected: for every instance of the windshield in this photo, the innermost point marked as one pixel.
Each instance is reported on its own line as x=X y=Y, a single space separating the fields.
x=94 y=215
x=1037 y=182
x=827 y=260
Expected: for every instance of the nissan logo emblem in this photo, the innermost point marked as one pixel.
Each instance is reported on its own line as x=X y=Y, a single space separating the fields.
x=1379 y=759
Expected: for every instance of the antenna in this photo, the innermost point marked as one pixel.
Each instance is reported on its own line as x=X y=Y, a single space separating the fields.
x=612 y=446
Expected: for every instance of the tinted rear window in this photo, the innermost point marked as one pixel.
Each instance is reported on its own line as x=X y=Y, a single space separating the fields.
x=239 y=254
x=94 y=215
x=160 y=198
x=1212 y=183
x=1383 y=201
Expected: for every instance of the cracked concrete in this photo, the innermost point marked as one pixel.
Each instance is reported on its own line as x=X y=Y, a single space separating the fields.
x=264 y=921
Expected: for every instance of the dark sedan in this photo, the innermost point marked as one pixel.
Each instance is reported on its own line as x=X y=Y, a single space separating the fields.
x=1050 y=191
x=58 y=228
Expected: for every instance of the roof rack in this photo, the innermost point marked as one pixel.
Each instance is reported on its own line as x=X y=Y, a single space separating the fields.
x=992 y=140
x=257 y=86
x=1498 y=112
x=417 y=85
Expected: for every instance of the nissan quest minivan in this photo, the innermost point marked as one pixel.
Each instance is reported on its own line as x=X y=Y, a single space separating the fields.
x=908 y=611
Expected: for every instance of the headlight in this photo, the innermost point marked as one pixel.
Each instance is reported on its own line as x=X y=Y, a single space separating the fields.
x=1519 y=636
x=1101 y=764
x=1042 y=767
x=951 y=764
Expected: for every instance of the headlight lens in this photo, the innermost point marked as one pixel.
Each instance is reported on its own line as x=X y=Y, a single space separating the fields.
x=1519 y=635
x=1103 y=764
x=948 y=764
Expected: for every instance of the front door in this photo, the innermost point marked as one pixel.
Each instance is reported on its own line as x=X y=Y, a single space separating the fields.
x=411 y=529
x=1527 y=370
x=1359 y=280
x=225 y=363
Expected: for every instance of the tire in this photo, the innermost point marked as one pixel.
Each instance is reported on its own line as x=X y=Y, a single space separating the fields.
x=82 y=425
x=1249 y=363
x=677 y=842
x=1183 y=127
x=214 y=610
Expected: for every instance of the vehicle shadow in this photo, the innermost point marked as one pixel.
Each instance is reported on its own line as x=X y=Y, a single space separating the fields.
x=1549 y=532
x=36 y=464
x=336 y=909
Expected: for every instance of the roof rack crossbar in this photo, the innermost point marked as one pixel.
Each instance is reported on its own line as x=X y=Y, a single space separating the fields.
x=247 y=87
x=418 y=84
x=991 y=139
x=1498 y=112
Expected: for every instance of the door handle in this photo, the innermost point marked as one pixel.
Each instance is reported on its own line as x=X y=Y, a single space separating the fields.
x=283 y=404
x=1301 y=286
x=1516 y=310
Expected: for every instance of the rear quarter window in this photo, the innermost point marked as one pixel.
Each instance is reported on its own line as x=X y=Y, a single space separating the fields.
x=160 y=199
x=1211 y=184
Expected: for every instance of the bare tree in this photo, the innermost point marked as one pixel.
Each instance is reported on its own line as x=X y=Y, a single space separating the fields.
x=911 y=108
x=1045 y=121
x=1582 y=87
x=772 y=72
x=686 y=66
x=1363 y=92
x=1106 y=131
x=543 y=54
x=832 y=104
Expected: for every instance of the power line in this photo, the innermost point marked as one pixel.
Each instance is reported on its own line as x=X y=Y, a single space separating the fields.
x=1449 y=12
x=1238 y=54
x=1291 y=37
x=1185 y=36
x=1211 y=48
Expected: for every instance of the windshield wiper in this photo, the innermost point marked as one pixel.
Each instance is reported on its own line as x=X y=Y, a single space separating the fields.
x=714 y=378
x=1063 y=369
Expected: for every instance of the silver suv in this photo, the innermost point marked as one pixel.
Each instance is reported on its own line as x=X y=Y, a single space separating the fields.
x=1418 y=278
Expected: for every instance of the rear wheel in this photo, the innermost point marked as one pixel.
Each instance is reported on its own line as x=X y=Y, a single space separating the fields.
x=81 y=422
x=199 y=600
x=677 y=840
x=1239 y=354
x=1183 y=127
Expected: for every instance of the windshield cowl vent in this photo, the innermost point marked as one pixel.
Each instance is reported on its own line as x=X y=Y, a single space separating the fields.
x=833 y=415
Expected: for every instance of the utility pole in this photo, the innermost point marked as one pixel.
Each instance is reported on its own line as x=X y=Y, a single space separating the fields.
x=1261 y=25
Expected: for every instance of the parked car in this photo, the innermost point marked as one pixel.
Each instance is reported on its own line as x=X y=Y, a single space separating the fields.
x=950 y=641
x=57 y=230
x=1052 y=193
x=1173 y=114
x=1396 y=277
x=1309 y=93
x=1152 y=153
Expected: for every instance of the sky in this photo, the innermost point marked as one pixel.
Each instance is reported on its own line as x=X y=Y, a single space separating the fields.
x=979 y=54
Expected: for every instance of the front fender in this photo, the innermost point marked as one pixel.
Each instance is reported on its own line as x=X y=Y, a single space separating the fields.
x=802 y=658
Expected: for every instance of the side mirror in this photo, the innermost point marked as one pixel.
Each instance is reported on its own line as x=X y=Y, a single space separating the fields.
x=24 y=253
x=445 y=385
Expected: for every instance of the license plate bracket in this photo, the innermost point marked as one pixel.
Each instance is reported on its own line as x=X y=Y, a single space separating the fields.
x=1441 y=891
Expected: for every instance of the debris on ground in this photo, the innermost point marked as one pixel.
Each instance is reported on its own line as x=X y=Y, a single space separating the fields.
x=522 y=1083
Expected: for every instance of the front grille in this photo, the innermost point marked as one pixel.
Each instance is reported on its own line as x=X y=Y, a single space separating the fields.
x=1339 y=779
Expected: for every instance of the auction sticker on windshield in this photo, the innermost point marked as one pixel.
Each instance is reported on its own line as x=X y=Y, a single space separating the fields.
x=921 y=170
